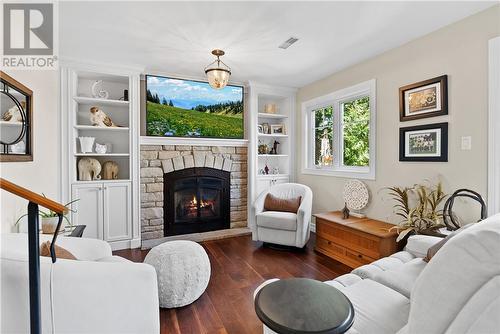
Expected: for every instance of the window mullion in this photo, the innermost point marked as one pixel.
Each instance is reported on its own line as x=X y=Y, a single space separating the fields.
x=336 y=134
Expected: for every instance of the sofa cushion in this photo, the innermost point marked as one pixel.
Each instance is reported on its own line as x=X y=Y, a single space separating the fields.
x=419 y=244
x=273 y=203
x=402 y=278
x=15 y=246
x=435 y=248
x=383 y=264
x=277 y=220
x=457 y=273
x=378 y=309
x=344 y=281
x=114 y=258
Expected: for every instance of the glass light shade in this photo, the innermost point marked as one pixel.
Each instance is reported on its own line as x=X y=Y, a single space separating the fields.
x=218 y=78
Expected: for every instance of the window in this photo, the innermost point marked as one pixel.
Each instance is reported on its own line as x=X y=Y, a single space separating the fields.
x=339 y=129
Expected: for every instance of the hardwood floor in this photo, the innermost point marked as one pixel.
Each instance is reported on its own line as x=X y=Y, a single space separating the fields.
x=239 y=265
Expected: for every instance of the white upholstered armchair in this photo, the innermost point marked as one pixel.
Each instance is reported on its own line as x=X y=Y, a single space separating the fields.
x=283 y=228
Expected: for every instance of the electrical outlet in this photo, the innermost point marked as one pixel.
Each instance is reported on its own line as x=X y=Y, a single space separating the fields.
x=466 y=143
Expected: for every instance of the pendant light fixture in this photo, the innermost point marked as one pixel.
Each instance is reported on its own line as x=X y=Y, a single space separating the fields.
x=217 y=72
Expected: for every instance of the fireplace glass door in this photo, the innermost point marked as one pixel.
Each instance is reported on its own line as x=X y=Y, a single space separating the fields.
x=196 y=200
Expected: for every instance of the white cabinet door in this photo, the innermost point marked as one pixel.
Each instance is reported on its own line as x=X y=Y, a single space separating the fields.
x=117 y=211
x=280 y=180
x=88 y=209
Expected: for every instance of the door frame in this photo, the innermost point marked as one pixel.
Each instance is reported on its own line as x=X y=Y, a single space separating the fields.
x=494 y=127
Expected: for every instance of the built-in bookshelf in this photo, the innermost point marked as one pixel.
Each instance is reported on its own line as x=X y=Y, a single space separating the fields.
x=281 y=101
x=108 y=206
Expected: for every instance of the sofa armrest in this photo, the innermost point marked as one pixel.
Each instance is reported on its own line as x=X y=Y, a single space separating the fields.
x=82 y=248
x=419 y=244
x=105 y=297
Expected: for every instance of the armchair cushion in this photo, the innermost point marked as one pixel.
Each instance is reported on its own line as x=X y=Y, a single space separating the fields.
x=273 y=203
x=277 y=220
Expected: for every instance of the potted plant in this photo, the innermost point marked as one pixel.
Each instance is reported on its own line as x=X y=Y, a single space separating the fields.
x=49 y=219
x=424 y=216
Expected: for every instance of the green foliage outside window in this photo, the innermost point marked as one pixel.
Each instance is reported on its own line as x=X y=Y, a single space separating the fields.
x=356 y=128
x=323 y=133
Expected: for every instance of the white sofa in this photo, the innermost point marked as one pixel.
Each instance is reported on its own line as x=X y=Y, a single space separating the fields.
x=283 y=228
x=98 y=293
x=458 y=291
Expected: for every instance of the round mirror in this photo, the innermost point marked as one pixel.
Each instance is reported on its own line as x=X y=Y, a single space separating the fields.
x=12 y=121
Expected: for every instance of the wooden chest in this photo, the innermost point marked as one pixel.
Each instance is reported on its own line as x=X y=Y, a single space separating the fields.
x=354 y=241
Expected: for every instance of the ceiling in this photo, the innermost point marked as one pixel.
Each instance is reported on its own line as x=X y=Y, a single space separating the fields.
x=176 y=37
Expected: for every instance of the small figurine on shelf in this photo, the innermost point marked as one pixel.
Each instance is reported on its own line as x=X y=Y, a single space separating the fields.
x=266 y=169
x=99 y=118
x=276 y=170
x=345 y=212
x=274 y=150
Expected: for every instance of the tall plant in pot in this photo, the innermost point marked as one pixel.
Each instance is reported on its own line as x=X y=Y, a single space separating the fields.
x=49 y=219
x=419 y=208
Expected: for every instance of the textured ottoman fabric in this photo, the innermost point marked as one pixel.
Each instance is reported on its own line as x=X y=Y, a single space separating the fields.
x=183 y=271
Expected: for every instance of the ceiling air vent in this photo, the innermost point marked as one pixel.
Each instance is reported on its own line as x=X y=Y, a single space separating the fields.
x=286 y=44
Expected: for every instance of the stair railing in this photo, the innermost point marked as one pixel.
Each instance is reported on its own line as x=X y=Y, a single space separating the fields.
x=35 y=200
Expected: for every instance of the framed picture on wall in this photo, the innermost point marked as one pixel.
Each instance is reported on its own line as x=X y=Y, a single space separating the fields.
x=424 y=99
x=424 y=143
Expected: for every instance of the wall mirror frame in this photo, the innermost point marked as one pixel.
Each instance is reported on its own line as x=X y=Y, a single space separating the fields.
x=16 y=120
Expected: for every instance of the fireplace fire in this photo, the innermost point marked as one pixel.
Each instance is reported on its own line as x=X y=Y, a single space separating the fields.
x=196 y=200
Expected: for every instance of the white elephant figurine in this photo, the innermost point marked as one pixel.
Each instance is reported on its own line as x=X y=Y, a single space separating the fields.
x=89 y=169
x=109 y=170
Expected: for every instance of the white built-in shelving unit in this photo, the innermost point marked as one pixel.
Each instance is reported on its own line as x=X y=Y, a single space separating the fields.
x=109 y=208
x=284 y=99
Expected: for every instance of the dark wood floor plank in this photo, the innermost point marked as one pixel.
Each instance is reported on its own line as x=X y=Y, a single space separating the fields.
x=238 y=266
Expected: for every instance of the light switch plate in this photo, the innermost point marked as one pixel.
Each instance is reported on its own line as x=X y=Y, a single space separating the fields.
x=466 y=143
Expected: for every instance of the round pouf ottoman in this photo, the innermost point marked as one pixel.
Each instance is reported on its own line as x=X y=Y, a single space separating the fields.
x=183 y=271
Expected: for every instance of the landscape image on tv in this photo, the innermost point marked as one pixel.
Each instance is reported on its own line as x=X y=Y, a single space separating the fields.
x=186 y=108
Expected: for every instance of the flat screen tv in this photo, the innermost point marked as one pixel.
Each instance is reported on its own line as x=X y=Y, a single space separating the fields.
x=187 y=108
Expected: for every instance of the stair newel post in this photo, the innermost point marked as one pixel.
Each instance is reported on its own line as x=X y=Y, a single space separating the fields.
x=34 y=268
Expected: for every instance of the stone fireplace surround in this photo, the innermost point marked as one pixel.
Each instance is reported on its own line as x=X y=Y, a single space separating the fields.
x=159 y=159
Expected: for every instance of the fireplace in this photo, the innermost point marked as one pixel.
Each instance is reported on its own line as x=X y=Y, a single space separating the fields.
x=196 y=200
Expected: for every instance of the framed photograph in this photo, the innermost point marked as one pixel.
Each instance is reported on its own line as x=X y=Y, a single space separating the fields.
x=278 y=129
x=265 y=128
x=260 y=129
x=424 y=99
x=424 y=143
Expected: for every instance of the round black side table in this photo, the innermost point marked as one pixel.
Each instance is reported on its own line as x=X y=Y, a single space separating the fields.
x=302 y=305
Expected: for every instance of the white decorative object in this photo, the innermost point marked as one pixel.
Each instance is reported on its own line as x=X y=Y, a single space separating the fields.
x=86 y=144
x=89 y=169
x=109 y=147
x=356 y=196
x=99 y=118
x=183 y=271
x=100 y=148
x=97 y=90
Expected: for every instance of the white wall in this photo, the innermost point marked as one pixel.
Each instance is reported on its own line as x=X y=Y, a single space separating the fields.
x=42 y=174
x=460 y=51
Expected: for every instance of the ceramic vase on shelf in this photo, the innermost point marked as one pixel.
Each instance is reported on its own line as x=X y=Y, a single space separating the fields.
x=86 y=144
x=49 y=224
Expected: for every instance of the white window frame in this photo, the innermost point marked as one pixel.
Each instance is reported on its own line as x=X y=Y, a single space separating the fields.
x=335 y=99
